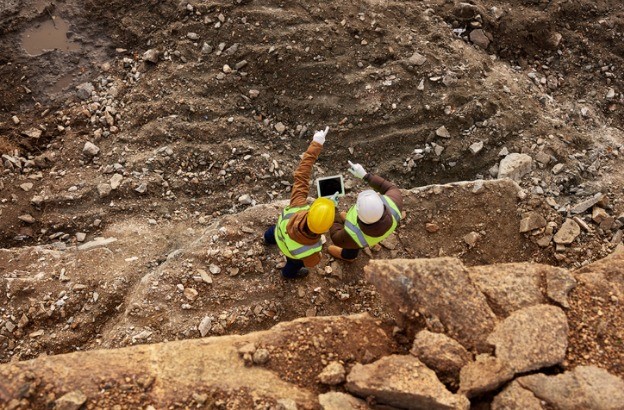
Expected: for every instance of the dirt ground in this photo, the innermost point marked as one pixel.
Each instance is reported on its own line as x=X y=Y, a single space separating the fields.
x=222 y=107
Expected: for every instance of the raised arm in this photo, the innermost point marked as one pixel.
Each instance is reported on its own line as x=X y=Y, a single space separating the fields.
x=302 y=174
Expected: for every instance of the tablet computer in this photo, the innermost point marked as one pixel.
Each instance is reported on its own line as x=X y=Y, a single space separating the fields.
x=328 y=186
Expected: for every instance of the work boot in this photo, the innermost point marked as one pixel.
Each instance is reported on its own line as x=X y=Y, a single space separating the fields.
x=336 y=252
x=301 y=273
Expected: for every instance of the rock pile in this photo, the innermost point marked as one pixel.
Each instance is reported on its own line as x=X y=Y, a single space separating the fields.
x=293 y=364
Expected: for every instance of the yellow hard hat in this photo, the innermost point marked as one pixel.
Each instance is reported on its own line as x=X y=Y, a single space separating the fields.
x=321 y=215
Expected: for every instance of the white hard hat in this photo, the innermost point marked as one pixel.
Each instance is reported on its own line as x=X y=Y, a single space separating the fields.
x=369 y=206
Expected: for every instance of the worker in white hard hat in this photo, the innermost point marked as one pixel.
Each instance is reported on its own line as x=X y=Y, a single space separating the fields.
x=372 y=219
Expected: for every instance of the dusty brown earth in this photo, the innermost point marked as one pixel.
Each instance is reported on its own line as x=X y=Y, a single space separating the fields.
x=190 y=138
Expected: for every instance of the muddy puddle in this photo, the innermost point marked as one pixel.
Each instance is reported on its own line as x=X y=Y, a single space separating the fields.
x=48 y=35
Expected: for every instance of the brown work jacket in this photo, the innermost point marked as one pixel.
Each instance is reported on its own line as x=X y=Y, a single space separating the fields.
x=297 y=227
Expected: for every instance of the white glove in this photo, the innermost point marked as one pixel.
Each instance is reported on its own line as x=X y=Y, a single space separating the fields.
x=319 y=136
x=335 y=198
x=357 y=170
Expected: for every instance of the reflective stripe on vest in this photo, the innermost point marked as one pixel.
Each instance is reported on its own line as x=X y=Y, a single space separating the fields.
x=359 y=237
x=288 y=246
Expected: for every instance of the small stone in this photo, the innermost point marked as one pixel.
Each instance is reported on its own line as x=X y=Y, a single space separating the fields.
x=192 y=36
x=15 y=120
x=544 y=241
x=568 y=232
x=142 y=188
x=471 y=239
x=432 y=227
x=33 y=133
x=479 y=38
x=191 y=294
x=90 y=149
x=610 y=94
x=532 y=221
x=71 y=401
x=214 y=269
x=476 y=147
x=442 y=132
x=104 y=190
x=115 y=181
x=254 y=93
x=558 y=168
x=27 y=186
x=599 y=215
x=261 y=356
x=84 y=91
x=227 y=69
x=515 y=166
x=478 y=187
x=249 y=349
x=241 y=64
x=206 y=48
x=204 y=326
x=417 y=59
x=27 y=218
x=245 y=199
x=583 y=206
x=81 y=236
x=280 y=127
x=333 y=374
x=9 y=326
x=151 y=55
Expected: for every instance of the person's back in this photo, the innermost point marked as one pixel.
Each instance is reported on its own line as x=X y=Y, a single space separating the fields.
x=373 y=218
x=299 y=227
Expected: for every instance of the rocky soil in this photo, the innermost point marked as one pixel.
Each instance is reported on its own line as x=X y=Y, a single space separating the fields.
x=140 y=166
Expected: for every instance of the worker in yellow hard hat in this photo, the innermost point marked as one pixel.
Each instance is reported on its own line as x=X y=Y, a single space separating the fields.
x=299 y=227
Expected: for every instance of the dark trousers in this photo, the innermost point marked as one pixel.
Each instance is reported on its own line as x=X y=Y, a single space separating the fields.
x=349 y=253
x=292 y=265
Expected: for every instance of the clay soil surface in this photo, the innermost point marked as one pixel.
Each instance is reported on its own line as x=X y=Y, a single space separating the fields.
x=213 y=119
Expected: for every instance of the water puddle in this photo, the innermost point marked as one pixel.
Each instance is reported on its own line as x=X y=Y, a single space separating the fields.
x=49 y=35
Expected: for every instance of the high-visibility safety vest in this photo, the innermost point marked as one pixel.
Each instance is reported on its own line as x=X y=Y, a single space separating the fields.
x=291 y=248
x=363 y=240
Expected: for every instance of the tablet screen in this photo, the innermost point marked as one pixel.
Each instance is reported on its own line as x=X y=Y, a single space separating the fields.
x=329 y=186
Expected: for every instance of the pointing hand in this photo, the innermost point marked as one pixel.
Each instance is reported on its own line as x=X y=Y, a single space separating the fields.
x=319 y=136
x=357 y=170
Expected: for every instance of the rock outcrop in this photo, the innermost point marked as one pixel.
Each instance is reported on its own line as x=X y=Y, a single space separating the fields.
x=585 y=387
x=441 y=291
x=531 y=338
x=403 y=382
x=177 y=372
x=442 y=354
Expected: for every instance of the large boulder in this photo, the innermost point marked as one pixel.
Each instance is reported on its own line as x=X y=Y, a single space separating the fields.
x=531 y=338
x=404 y=382
x=511 y=286
x=514 y=397
x=341 y=401
x=485 y=374
x=585 y=387
x=438 y=289
x=442 y=354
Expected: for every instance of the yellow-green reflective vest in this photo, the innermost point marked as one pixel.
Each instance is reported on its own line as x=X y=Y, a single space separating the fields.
x=291 y=248
x=363 y=240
